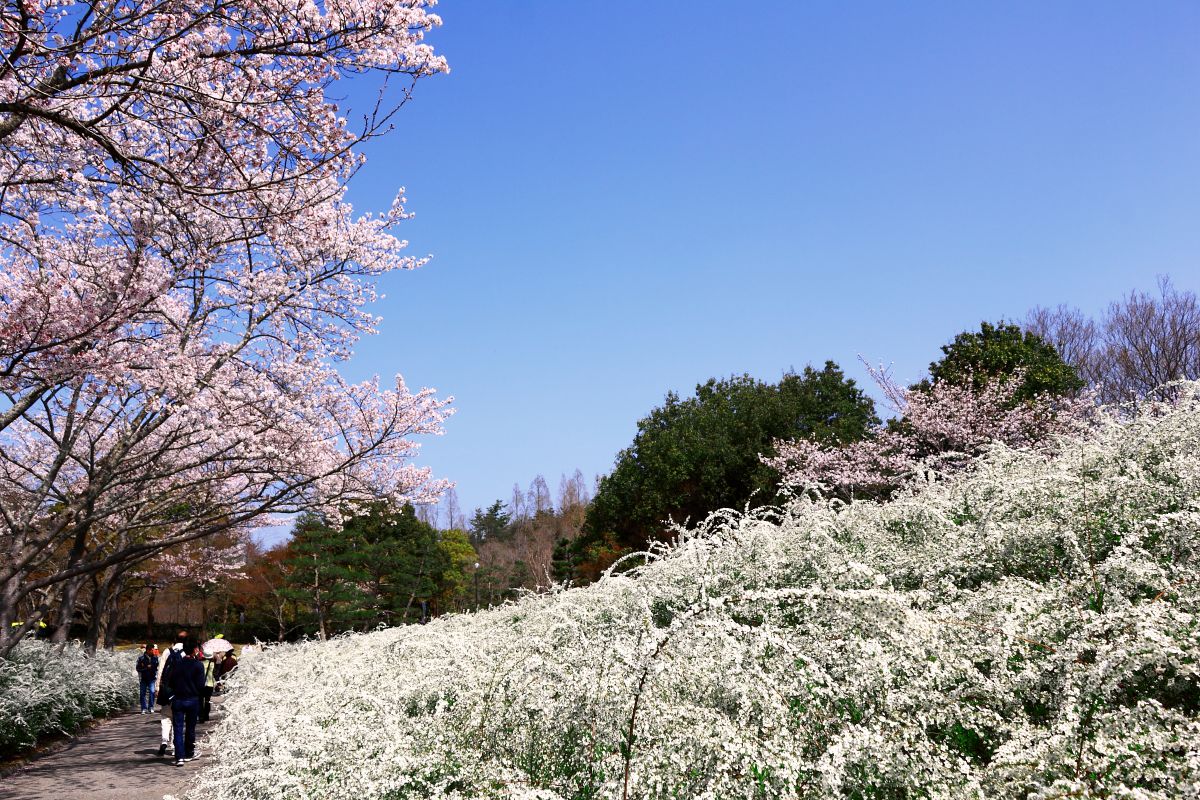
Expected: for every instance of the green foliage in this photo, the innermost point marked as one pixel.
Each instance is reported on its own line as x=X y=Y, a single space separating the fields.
x=691 y=457
x=999 y=351
x=563 y=562
x=382 y=568
x=458 y=567
x=490 y=524
x=325 y=575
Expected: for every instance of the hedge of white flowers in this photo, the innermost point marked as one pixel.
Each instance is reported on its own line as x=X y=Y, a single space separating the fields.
x=44 y=690
x=1030 y=629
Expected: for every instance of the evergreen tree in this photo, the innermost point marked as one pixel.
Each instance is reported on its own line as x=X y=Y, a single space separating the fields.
x=563 y=564
x=999 y=352
x=325 y=576
x=691 y=457
x=490 y=524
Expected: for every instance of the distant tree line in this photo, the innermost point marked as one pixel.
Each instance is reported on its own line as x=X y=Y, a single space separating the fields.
x=386 y=567
x=690 y=456
x=693 y=456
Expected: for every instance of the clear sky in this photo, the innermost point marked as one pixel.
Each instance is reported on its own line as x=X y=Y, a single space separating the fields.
x=623 y=198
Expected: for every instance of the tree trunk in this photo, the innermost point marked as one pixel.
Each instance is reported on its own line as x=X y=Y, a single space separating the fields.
x=66 y=611
x=116 y=589
x=280 y=611
x=9 y=636
x=105 y=608
x=110 y=632
x=150 y=611
x=97 y=624
x=320 y=608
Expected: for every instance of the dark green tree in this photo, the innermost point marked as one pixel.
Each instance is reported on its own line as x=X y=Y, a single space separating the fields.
x=402 y=559
x=1000 y=351
x=691 y=457
x=384 y=567
x=563 y=561
x=520 y=577
x=325 y=577
x=490 y=524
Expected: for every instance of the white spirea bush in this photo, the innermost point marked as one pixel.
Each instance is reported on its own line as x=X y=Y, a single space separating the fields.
x=43 y=690
x=1027 y=630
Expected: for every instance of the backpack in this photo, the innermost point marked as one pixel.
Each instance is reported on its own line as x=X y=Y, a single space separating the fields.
x=165 y=692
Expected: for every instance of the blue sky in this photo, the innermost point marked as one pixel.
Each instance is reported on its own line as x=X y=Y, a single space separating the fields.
x=626 y=198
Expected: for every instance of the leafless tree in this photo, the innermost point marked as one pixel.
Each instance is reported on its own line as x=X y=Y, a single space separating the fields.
x=518 y=507
x=1150 y=341
x=538 y=496
x=454 y=516
x=1142 y=341
x=1073 y=335
x=427 y=513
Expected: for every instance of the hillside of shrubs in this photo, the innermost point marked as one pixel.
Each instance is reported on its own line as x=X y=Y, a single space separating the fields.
x=1025 y=629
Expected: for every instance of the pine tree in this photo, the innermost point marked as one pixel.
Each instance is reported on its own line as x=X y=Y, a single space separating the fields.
x=325 y=575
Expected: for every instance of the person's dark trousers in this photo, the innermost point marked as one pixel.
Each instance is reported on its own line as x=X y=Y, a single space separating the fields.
x=185 y=710
x=205 y=703
x=147 y=694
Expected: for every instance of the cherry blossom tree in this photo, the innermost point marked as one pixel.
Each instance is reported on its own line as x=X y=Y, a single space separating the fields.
x=181 y=275
x=939 y=429
x=203 y=566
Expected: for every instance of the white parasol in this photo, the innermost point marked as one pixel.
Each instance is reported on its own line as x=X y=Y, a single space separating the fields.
x=216 y=646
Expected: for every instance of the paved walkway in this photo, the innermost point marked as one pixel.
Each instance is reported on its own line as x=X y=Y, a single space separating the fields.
x=115 y=760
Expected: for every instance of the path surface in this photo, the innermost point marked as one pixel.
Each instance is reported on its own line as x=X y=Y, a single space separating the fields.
x=115 y=760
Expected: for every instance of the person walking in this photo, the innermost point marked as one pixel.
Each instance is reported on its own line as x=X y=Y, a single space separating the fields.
x=227 y=665
x=218 y=671
x=210 y=684
x=147 y=670
x=187 y=686
x=165 y=667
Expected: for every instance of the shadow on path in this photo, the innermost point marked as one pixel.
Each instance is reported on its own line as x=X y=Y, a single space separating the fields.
x=115 y=760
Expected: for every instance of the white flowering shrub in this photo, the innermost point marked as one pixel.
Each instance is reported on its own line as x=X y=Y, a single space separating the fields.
x=1029 y=629
x=43 y=690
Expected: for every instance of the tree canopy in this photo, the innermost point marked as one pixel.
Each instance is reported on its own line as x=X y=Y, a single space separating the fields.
x=1140 y=343
x=491 y=523
x=382 y=567
x=181 y=276
x=1000 y=351
x=696 y=455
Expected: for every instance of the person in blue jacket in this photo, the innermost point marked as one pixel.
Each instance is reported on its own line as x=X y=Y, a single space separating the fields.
x=187 y=687
x=147 y=670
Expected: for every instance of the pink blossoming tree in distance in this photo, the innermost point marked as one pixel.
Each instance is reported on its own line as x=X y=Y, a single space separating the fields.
x=181 y=274
x=941 y=429
x=202 y=566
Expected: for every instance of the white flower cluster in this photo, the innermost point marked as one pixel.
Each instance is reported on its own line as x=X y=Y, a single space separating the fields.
x=1030 y=629
x=43 y=690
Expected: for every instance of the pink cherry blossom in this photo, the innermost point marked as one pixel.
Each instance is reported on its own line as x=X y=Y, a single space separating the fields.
x=940 y=429
x=181 y=275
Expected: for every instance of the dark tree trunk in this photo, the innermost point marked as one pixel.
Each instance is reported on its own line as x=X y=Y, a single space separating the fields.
x=97 y=623
x=102 y=629
x=66 y=610
x=114 y=613
x=150 y=611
